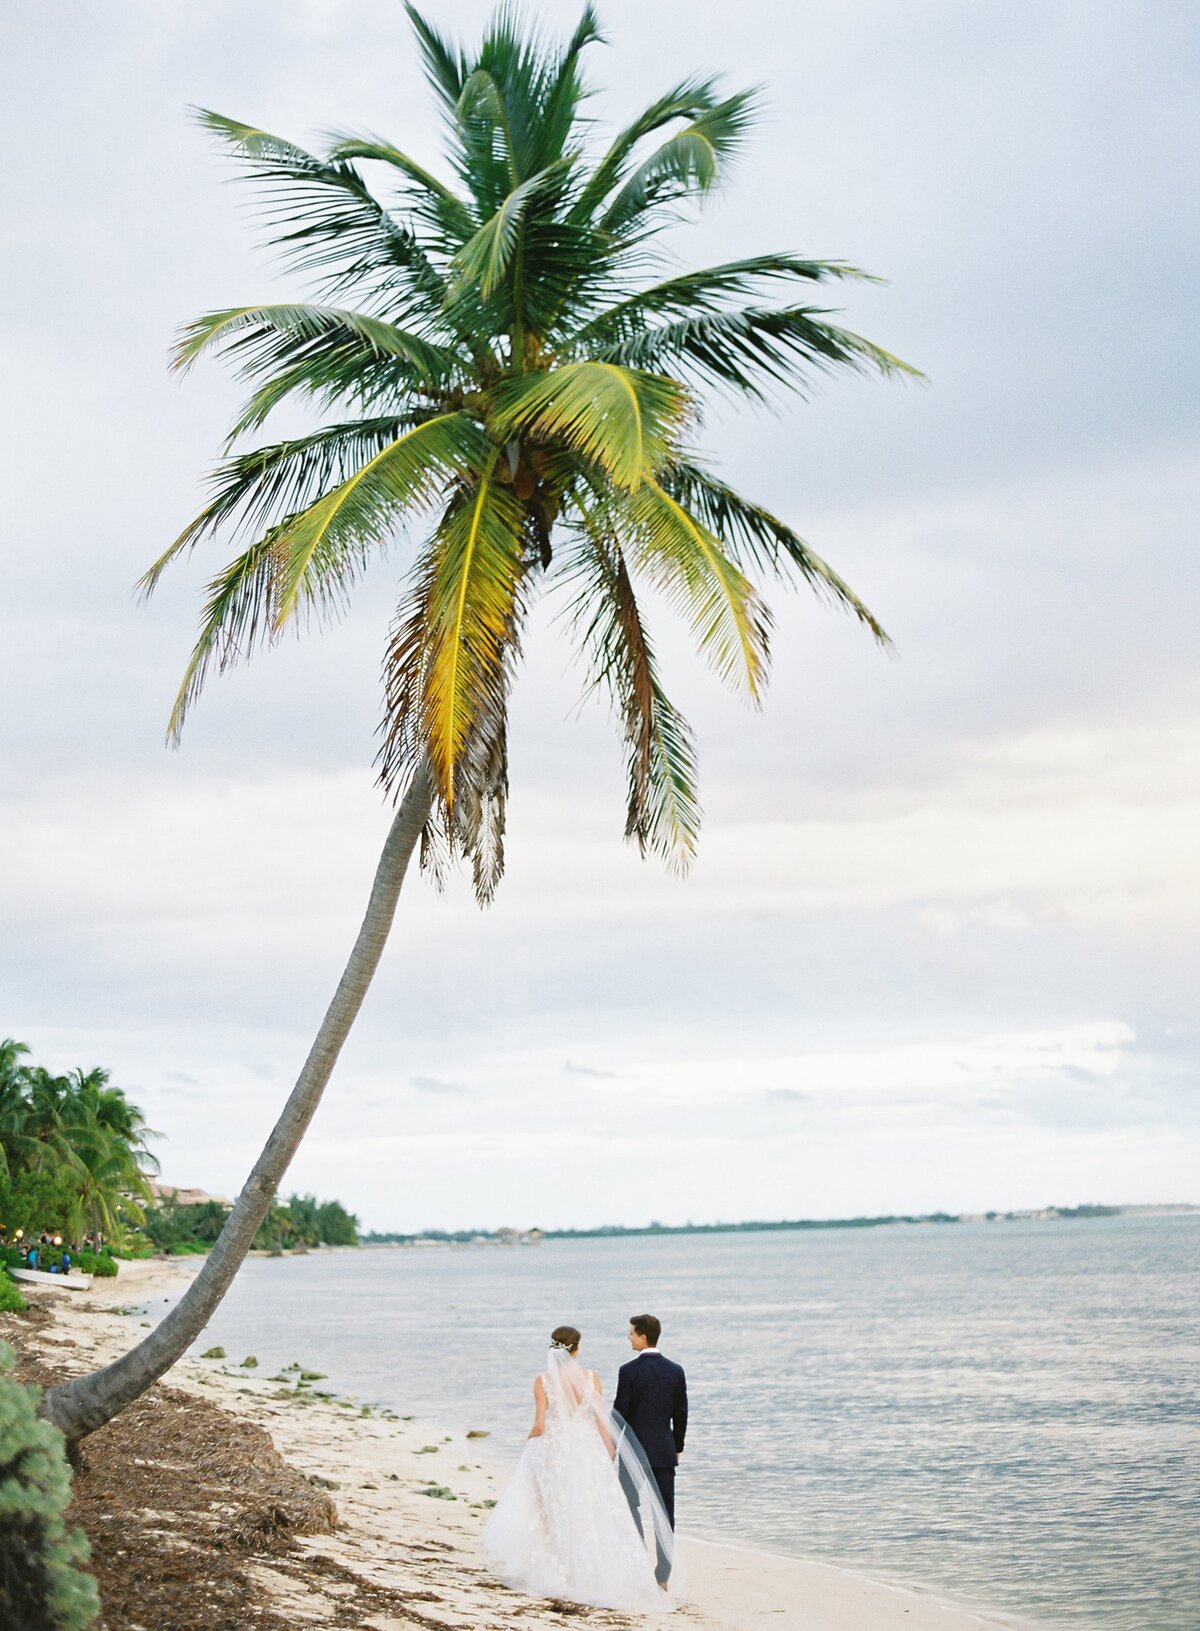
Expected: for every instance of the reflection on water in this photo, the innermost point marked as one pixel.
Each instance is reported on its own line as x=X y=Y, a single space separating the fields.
x=1008 y=1411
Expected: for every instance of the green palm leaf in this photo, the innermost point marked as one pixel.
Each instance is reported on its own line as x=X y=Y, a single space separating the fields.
x=485 y=258
x=317 y=555
x=743 y=350
x=707 y=290
x=689 y=162
x=318 y=551
x=251 y=330
x=237 y=615
x=446 y=663
x=442 y=204
x=326 y=217
x=663 y=810
x=728 y=619
x=756 y=538
x=620 y=419
x=445 y=68
x=260 y=488
x=689 y=100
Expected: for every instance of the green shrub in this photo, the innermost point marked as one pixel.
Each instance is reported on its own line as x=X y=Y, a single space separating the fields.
x=11 y=1300
x=42 y=1579
x=97 y=1263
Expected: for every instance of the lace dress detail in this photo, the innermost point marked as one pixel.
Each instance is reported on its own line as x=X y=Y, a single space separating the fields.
x=563 y=1527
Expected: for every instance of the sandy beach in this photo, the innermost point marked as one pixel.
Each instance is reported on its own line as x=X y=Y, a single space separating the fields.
x=410 y=1505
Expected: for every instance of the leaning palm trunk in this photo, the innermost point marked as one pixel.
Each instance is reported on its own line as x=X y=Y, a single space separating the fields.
x=80 y=1406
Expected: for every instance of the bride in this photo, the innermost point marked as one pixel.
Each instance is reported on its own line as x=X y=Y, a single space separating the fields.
x=582 y=1518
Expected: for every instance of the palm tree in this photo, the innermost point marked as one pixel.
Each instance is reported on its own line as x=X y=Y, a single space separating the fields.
x=518 y=383
x=108 y=1136
x=12 y=1100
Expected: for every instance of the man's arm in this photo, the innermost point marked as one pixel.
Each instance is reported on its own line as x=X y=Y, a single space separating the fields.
x=679 y=1414
x=624 y=1396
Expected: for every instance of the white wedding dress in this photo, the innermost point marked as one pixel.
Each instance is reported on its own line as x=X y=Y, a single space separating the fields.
x=564 y=1526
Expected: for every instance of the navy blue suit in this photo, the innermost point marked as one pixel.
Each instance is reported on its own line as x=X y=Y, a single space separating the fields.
x=652 y=1397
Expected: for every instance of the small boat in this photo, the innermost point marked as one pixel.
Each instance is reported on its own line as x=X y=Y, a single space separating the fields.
x=55 y=1282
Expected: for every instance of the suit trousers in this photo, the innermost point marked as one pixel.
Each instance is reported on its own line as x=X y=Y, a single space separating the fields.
x=664 y=1477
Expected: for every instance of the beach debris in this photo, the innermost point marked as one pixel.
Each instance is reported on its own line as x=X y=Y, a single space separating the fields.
x=315 y=1479
x=313 y=1376
x=478 y=1432
x=213 y=1353
x=250 y=1362
x=429 y=1449
x=438 y=1492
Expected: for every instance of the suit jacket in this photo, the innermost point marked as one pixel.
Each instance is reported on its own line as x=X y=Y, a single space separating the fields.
x=652 y=1397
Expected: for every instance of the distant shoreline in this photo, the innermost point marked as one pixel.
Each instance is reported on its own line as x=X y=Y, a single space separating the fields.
x=527 y=1237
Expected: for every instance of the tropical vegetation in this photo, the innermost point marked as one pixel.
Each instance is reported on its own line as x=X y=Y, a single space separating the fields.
x=74 y=1154
x=301 y=1222
x=509 y=375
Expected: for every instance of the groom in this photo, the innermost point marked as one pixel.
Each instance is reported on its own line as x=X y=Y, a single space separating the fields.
x=652 y=1397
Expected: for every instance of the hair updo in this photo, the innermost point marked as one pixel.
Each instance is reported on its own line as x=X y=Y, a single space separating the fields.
x=565 y=1336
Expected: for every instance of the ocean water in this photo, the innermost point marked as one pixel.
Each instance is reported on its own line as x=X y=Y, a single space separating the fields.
x=1006 y=1412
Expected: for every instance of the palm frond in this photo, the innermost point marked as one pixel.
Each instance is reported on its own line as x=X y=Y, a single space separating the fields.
x=728 y=619
x=485 y=258
x=319 y=551
x=258 y=488
x=756 y=538
x=690 y=162
x=441 y=203
x=445 y=666
x=710 y=288
x=565 y=91
x=324 y=217
x=748 y=349
x=621 y=419
x=663 y=810
x=445 y=68
x=253 y=333
x=690 y=100
x=318 y=554
x=237 y=615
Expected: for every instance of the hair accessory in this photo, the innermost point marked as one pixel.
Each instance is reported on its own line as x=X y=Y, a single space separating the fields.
x=561 y=1346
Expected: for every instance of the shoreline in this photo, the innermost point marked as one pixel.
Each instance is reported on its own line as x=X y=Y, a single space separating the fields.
x=411 y=1501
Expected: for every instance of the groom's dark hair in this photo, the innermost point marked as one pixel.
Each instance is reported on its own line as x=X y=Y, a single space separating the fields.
x=647 y=1326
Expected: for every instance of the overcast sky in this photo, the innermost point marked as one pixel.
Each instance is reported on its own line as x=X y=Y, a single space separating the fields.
x=940 y=947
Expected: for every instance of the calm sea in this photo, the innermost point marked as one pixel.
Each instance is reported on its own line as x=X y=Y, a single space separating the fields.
x=1010 y=1412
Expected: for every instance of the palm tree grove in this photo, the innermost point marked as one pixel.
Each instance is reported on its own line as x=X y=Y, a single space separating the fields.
x=507 y=372
x=74 y=1158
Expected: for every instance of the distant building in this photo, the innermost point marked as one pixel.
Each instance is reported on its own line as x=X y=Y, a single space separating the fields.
x=185 y=1197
